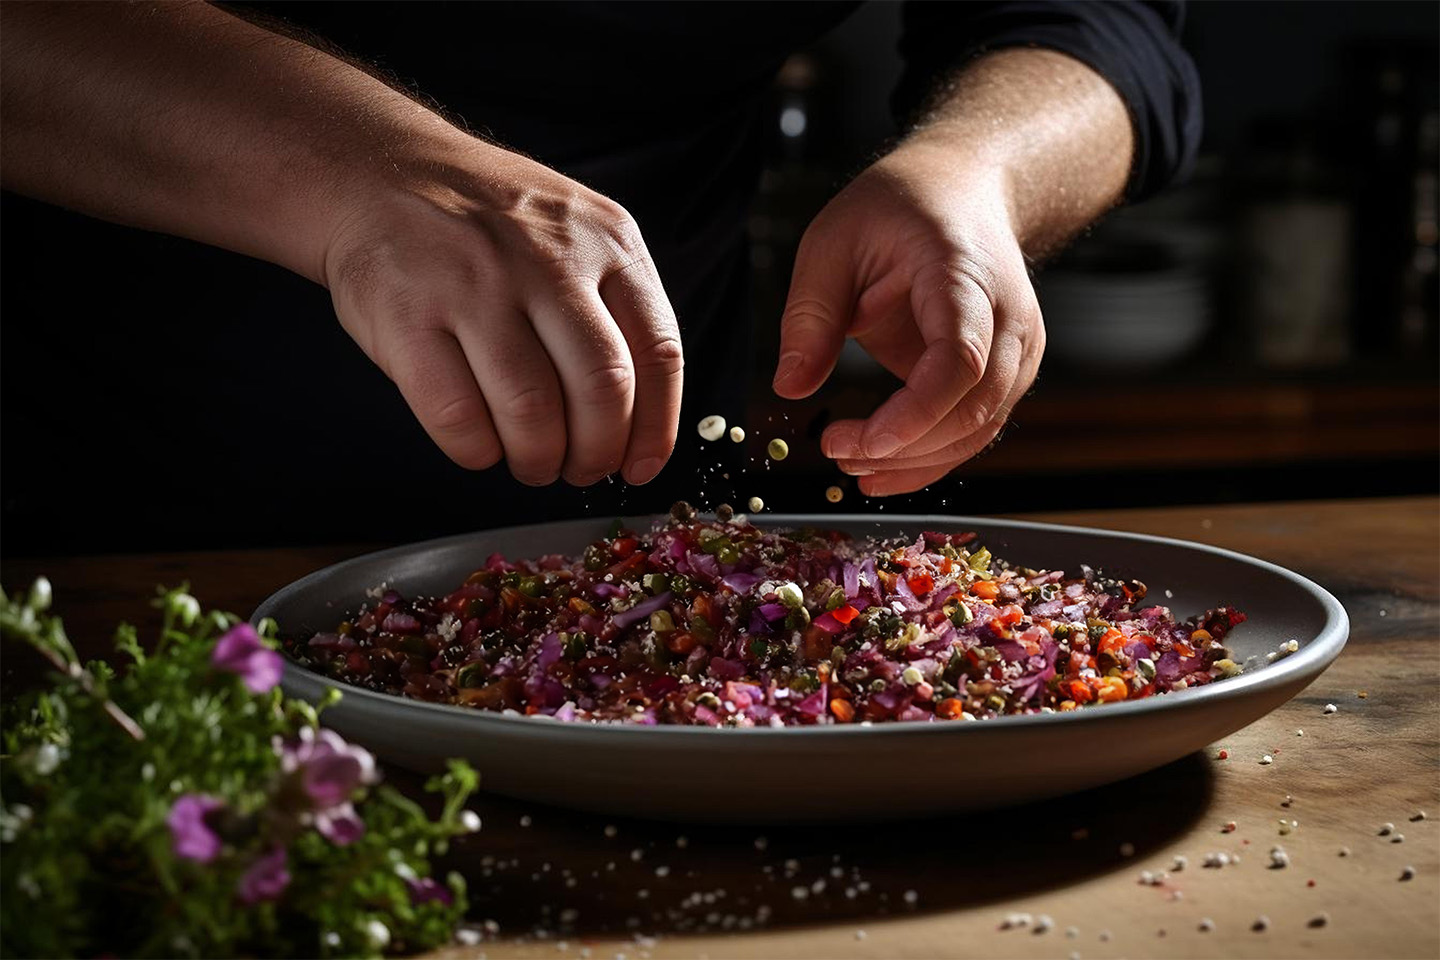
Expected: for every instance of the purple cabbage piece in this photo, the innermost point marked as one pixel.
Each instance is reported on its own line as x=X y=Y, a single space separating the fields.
x=607 y=590
x=852 y=580
x=641 y=610
x=741 y=581
x=551 y=650
x=907 y=596
x=722 y=669
x=772 y=611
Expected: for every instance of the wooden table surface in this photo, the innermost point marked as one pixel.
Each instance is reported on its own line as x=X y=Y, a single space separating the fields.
x=559 y=884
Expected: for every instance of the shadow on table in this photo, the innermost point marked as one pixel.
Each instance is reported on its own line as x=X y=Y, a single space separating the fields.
x=544 y=871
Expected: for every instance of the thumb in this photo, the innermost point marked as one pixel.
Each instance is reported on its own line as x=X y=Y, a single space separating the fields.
x=817 y=314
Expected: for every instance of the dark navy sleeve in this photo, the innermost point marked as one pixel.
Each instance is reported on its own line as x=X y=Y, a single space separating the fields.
x=1133 y=45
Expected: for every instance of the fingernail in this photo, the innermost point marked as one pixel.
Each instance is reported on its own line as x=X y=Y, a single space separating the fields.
x=856 y=471
x=643 y=471
x=788 y=364
x=882 y=446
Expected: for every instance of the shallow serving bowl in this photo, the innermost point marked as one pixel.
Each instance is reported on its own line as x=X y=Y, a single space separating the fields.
x=840 y=772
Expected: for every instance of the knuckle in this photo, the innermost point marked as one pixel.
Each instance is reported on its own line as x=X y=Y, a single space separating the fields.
x=611 y=384
x=808 y=313
x=970 y=357
x=532 y=407
x=455 y=415
x=664 y=356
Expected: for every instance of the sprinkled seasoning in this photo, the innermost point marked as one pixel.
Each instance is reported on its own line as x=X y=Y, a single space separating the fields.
x=1279 y=859
x=1319 y=920
x=860 y=934
x=1408 y=873
x=1223 y=755
x=737 y=434
x=834 y=494
x=756 y=504
x=1127 y=849
x=1206 y=924
x=1043 y=923
x=1331 y=708
x=611 y=830
x=1261 y=924
x=1344 y=851
x=712 y=428
x=1417 y=816
x=911 y=897
x=1266 y=760
x=1229 y=827
x=761 y=843
x=1015 y=920
x=525 y=821
x=1398 y=838
x=1072 y=932
x=1180 y=863
x=1386 y=829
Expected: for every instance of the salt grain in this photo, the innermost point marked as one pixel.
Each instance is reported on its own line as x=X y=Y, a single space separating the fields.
x=860 y=934
x=1261 y=924
x=1279 y=859
x=1043 y=923
x=1386 y=829
x=1331 y=708
x=1408 y=873
x=1180 y=863
x=1266 y=760
x=1206 y=924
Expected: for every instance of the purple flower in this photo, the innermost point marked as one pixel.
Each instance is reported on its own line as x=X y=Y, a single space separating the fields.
x=193 y=838
x=329 y=771
x=241 y=651
x=266 y=879
x=426 y=889
x=341 y=825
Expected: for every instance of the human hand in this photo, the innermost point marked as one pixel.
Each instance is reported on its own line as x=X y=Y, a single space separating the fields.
x=917 y=260
x=518 y=312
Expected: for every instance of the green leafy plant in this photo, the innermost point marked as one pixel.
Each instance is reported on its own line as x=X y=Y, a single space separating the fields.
x=185 y=807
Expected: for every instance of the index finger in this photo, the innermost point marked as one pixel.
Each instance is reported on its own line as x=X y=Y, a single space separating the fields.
x=956 y=320
x=636 y=299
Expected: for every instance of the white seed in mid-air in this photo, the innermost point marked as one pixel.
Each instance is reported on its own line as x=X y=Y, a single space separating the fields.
x=712 y=428
x=756 y=504
x=737 y=434
x=778 y=449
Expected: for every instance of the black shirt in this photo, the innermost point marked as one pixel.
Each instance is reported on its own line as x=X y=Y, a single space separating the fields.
x=176 y=395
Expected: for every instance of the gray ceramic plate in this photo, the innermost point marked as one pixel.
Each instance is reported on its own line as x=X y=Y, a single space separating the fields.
x=834 y=772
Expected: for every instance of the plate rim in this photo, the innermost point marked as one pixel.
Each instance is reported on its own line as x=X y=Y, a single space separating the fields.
x=1306 y=664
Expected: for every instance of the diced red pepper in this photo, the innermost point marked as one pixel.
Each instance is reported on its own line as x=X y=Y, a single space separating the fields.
x=921 y=583
x=845 y=614
x=622 y=547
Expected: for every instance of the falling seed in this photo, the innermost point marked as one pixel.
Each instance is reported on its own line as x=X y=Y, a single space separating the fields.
x=778 y=449
x=1127 y=849
x=737 y=434
x=712 y=428
x=756 y=504
x=834 y=494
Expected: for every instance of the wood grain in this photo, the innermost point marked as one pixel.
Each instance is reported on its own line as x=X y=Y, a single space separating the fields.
x=1375 y=760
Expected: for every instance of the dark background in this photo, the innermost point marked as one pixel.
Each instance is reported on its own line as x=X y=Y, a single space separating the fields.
x=1267 y=331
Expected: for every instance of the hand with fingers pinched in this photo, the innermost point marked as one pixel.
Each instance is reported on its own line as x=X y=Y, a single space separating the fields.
x=918 y=261
x=518 y=312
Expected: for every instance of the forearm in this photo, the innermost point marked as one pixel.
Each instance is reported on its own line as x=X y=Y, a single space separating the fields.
x=184 y=119
x=1054 y=135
